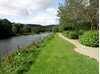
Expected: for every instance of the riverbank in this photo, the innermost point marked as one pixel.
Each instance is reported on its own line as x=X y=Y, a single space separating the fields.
x=24 y=34
x=12 y=44
x=59 y=57
x=20 y=61
x=52 y=55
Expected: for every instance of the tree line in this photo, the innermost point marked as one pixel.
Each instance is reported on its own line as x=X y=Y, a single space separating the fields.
x=9 y=29
x=78 y=14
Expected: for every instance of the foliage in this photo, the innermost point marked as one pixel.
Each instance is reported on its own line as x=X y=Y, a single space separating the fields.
x=59 y=57
x=5 y=28
x=55 y=29
x=73 y=34
x=79 y=14
x=20 y=61
x=8 y=29
x=17 y=28
x=90 y=38
x=82 y=26
x=26 y=29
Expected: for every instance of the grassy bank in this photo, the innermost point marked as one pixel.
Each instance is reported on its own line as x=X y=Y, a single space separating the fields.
x=59 y=57
x=56 y=57
x=20 y=61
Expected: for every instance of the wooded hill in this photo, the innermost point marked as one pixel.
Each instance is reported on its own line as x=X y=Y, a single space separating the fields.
x=8 y=29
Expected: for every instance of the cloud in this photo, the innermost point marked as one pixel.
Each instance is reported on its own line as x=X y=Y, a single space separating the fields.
x=22 y=7
x=52 y=11
x=29 y=11
x=47 y=16
x=43 y=17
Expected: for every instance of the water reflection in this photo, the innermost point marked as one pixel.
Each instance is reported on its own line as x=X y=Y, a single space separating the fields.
x=9 y=45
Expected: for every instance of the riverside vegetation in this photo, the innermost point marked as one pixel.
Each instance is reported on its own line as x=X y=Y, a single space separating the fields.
x=59 y=57
x=20 y=61
x=52 y=55
x=9 y=29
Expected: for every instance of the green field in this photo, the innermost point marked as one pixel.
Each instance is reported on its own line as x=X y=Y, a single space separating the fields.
x=59 y=57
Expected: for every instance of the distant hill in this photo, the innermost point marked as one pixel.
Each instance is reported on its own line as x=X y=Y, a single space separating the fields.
x=8 y=29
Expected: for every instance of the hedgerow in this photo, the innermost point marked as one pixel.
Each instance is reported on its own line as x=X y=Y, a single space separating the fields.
x=90 y=38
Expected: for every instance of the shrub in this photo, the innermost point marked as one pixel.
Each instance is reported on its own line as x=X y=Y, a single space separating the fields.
x=55 y=29
x=72 y=34
x=90 y=38
x=66 y=33
x=81 y=32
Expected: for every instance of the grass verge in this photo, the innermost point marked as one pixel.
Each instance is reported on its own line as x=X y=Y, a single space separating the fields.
x=59 y=57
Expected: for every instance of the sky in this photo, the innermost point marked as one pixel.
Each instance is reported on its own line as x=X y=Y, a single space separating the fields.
x=42 y=12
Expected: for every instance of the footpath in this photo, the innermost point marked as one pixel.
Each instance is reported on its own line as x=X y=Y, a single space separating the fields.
x=89 y=51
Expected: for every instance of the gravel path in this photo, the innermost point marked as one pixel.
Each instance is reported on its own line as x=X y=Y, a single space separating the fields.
x=89 y=51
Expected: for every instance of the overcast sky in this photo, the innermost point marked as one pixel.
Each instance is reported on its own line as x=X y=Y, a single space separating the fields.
x=30 y=11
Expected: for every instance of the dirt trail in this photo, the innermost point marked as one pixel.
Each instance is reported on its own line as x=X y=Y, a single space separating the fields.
x=89 y=51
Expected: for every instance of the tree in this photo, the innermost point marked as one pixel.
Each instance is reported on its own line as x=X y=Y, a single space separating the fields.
x=55 y=29
x=5 y=28
x=92 y=12
x=77 y=12
x=26 y=29
x=16 y=28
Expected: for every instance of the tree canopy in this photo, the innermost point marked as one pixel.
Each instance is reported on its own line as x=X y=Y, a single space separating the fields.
x=79 y=14
x=5 y=28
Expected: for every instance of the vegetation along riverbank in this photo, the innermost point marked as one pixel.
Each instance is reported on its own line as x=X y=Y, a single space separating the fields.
x=76 y=20
x=20 y=61
x=9 y=29
x=59 y=57
x=52 y=55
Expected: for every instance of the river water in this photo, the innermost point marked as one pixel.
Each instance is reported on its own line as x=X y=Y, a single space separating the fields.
x=11 y=44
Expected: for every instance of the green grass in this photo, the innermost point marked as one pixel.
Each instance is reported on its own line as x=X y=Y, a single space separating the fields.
x=21 y=60
x=59 y=57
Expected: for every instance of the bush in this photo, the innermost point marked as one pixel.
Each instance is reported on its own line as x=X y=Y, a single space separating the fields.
x=65 y=33
x=72 y=34
x=75 y=33
x=90 y=38
x=81 y=32
x=55 y=29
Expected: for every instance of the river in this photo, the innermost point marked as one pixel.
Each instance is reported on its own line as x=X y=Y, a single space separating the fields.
x=11 y=44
